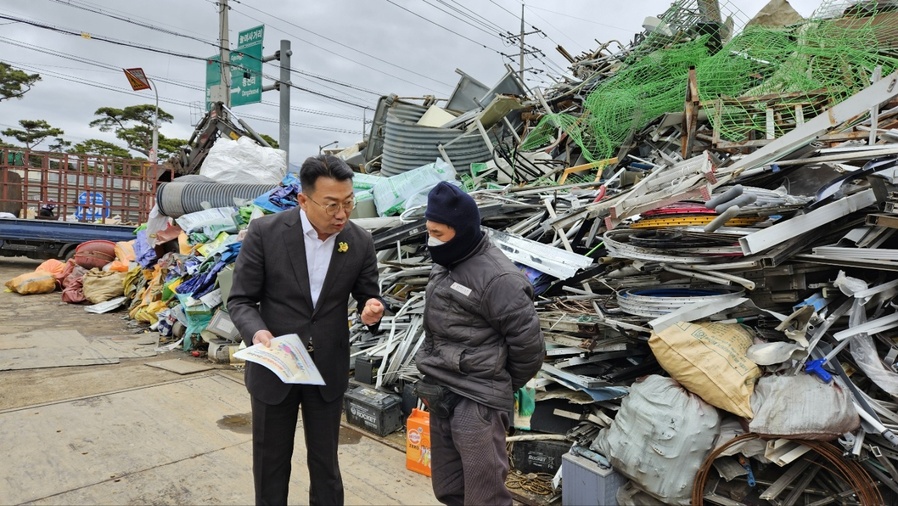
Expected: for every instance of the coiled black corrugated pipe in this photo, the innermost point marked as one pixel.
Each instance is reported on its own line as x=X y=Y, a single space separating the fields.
x=176 y=199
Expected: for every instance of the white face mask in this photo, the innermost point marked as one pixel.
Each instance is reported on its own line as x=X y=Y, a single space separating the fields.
x=433 y=241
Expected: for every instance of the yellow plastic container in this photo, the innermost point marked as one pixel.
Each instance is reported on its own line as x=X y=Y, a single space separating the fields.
x=417 y=442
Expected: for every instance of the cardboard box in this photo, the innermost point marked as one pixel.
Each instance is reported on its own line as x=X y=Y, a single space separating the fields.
x=373 y=410
x=417 y=442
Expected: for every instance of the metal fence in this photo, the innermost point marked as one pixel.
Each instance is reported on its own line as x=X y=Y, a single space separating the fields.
x=84 y=188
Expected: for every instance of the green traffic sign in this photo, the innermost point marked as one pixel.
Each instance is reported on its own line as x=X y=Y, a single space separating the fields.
x=213 y=77
x=246 y=67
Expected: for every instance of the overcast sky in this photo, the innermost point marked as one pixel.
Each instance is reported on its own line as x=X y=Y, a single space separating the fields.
x=346 y=54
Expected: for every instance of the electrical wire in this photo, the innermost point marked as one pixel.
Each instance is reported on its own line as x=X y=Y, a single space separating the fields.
x=331 y=80
x=160 y=79
x=475 y=16
x=100 y=38
x=79 y=80
x=848 y=470
x=469 y=23
x=581 y=19
x=504 y=9
x=302 y=125
x=160 y=51
x=343 y=45
x=97 y=10
x=443 y=27
x=553 y=27
x=166 y=52
x=347 y=58
x=215 y=44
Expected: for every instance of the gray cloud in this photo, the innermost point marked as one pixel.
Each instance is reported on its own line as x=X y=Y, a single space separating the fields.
x=423 y=55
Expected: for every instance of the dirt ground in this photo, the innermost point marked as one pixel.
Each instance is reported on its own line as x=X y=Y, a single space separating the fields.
x=114 y=433
x=28 y=313
x=40 y=392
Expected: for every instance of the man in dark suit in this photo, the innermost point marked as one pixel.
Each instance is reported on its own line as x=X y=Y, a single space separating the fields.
x=295 y=273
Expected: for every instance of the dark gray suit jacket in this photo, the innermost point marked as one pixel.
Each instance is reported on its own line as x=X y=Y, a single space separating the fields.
x=271 y=291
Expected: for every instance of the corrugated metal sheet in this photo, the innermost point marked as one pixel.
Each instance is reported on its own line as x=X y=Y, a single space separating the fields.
x=408 y=145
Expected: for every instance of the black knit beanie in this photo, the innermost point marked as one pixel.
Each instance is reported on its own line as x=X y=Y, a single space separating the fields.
x=449 y=205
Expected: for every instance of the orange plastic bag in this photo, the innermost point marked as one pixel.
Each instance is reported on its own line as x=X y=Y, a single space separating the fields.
x=52 y=266
x=118 y=266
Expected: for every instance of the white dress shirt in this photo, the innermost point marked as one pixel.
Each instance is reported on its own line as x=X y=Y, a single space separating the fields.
x=318 y=256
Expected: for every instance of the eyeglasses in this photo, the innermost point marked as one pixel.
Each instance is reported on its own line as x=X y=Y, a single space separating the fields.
x=332 y=208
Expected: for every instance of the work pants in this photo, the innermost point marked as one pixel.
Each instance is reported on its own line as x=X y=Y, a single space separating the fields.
x=470 y=462
x=274 y=430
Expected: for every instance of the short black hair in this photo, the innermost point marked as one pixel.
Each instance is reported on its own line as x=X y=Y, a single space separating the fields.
x=323 y=166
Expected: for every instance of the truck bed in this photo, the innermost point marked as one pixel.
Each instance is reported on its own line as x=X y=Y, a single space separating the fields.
x=44 y=239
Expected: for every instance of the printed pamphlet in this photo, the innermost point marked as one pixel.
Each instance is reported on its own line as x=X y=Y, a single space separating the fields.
x=287 y=357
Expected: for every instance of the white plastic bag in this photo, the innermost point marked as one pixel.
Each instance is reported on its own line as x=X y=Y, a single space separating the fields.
x=244 y=161
x=210 y=221
x=660 y=437
x=802 y=407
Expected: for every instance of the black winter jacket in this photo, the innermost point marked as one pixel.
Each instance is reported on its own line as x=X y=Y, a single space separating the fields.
x=482 y=336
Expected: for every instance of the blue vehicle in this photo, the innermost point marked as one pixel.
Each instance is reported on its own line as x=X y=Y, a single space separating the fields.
x=52 y=202
x=44 y=239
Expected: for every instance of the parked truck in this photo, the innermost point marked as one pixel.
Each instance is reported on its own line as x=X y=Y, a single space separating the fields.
x=54 y=201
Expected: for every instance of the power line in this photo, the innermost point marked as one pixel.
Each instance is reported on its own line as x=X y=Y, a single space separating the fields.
x=503 y=8
x=112 y=69
x=166 y=52
x=330 y=80
x=303 y=125
x=94 y=84
x=490 y=33
x=346 y=46
x=579 y=18
x=170 y=32
x=97 y=10
x=554 y=28
x=475 y=16
x=100 y=38
x=443 y=27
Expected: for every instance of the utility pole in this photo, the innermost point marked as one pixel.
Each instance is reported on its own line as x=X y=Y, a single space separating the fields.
x=521 y=55
x=284 y=90
x=522 y=48
x=225 y=49
x=154 y=152
x=283 y=85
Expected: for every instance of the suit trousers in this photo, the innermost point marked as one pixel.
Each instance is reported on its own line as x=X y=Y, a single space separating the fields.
x=469 y=460
x=274 y=431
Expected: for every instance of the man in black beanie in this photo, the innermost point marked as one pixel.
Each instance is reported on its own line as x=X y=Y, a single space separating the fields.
x=449 y=206
x=482 y=342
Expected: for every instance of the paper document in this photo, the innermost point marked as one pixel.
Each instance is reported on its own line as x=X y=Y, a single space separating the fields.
x=287 y=357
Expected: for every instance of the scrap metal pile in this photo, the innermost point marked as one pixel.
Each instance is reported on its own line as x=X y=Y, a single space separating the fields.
x=708 y=218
